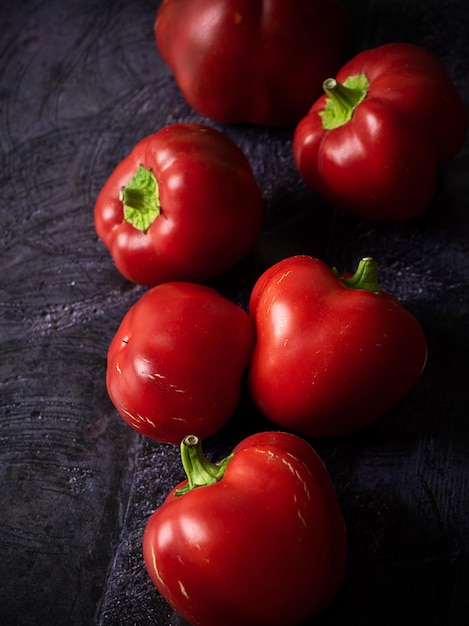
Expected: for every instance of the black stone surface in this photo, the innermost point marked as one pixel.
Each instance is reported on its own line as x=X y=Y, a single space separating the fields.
x=80 y=83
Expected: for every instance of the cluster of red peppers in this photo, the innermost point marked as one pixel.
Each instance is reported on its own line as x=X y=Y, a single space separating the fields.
x=259 y=538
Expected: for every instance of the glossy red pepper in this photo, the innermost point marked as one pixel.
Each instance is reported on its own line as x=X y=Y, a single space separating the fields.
x=183 y=205
x=373 y=143
x=256 y=540
x=332 y=353
x=177 y=359
x=257 y=61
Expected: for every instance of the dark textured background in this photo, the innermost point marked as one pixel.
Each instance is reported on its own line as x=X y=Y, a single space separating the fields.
x=80 y=83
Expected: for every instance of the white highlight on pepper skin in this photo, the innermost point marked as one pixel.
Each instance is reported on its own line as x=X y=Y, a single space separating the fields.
x=155 y=566
x=183 y=590
x=302 y=519
x=156 y=375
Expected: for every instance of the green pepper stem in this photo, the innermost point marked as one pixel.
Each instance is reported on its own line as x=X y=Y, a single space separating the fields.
x=342 y=100
x=365 y=276
x=140 y=198
x=199 y=470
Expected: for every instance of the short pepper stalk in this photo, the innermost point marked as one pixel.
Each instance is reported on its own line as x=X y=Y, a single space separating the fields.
x=365 y=276
x=140 y=199
x=374 y=142
x=343 y=99
x=199 y=470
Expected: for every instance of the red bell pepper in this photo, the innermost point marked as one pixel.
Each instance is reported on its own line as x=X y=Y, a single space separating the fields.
x=177 y=359
x=256 y=540
x=332 y=353
x=257 y=61
x=373 y=143
x=183 y=205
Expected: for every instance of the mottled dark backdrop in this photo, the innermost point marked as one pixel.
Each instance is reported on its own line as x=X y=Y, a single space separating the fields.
x=80 y=83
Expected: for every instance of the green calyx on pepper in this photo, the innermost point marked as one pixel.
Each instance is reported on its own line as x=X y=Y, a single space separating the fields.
x=199 y=470
x=342 y=100
x=141 y=199
x=365 y=276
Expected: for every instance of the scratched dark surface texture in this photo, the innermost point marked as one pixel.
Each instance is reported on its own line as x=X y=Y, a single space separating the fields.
x=80 y=82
